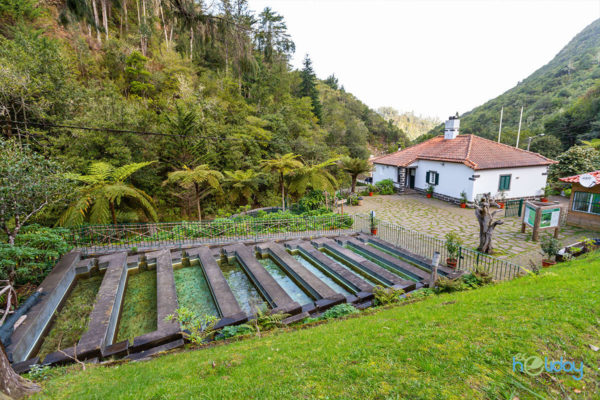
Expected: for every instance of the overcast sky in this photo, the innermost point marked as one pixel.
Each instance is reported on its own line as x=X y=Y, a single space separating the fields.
x=430 y=57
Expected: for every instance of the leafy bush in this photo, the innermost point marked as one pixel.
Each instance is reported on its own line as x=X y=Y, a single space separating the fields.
x=339 y=310
x=477 y=279
x=314 y=200
x=445 y=285
x=266 y=321
x=550 y=246
x=35 y=252
x=453 y=243
x=200 y=328
x=385 y=186
x=236 y=330
x=384 y=296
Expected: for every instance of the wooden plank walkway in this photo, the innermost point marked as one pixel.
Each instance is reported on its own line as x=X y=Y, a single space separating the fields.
x=443 y=270
x=305 y=279
x=272 y=292
x=105 y=315
x=343 y=274
x=383 y=275
x=401 y=266
x=166 y=304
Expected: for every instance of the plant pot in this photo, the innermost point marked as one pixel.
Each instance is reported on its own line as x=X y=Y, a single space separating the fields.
x=373 y=231
x=548 y=263
x=501 y=205
x=429 y=195
x=360 y=203
x=370 y=193
x=451 y=262
x=544 y=199
x=463 y=205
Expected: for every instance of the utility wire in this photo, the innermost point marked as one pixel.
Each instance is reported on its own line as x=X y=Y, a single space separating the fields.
x=112 y=130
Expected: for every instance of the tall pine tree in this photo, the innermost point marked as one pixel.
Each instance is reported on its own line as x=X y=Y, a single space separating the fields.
x=308 y=87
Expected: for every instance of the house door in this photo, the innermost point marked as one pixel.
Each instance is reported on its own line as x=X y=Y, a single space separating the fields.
x=411 y=178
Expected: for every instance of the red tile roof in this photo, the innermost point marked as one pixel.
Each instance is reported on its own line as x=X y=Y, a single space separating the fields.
x=575 y=178
x=473 y=151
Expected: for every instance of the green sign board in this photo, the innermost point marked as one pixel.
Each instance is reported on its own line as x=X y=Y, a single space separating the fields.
x=550 y=217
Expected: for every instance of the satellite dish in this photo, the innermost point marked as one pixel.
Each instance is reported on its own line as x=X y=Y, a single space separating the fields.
x=587 y=180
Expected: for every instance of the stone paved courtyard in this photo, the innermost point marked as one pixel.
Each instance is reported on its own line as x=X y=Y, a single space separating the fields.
x=436 y=218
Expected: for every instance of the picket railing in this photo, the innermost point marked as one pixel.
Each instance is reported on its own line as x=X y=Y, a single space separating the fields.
x=94 y=239
x=424 y=246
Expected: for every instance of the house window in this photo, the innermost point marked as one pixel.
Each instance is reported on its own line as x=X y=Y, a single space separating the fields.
x=432 y=177
x=504 y=182
x=586 y=202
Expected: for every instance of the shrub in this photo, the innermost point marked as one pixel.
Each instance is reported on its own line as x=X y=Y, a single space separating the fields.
x=477 y=279
x=339 y=311
x=453 y=243
x=314 y=200
x=463 y=197
x=385 y=186
x=445 y=285
x=550 y=246
x=236 y=330
x=384 y=296
x=266 y=321
x=200 y=328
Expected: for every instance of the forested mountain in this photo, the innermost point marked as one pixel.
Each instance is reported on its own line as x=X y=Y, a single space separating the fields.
x=179 y=82
x=547 y=97
x=413 y=125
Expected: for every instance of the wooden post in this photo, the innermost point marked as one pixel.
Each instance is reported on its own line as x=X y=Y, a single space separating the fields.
x=435 y=261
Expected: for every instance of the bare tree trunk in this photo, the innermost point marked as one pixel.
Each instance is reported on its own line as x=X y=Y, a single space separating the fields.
x=162 y=17
x=96 y=20
x=11 y=384
x=282 y=192
x=354 y=183
x=198 y=202
x=191 y=42
x=125 y=15
x=105 y=18
x=486 y=222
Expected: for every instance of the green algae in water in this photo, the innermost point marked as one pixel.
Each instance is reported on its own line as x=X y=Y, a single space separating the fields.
x=243 y=290
x=321 y=275
x=285 y=282
x=362 y=274
x=138 y=315
x=400 y=258
x=381 y=263
x=72 y=320
x=193 y=292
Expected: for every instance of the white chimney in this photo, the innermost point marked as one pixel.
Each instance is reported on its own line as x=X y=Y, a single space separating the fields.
x=452 y=126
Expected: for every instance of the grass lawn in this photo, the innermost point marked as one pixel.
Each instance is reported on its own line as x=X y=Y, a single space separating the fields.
x=452 y=346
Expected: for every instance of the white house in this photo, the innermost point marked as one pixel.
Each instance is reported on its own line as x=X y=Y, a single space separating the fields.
x=455 y=163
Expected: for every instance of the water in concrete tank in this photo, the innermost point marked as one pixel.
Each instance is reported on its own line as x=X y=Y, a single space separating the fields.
x=321 y=275
x=243 y=290
x=193 y=292
x=361 y=274
x=285 y=282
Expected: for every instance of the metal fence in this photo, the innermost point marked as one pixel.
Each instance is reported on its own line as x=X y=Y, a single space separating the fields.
x=513 y=208
x=107 y=238
x=424 y=246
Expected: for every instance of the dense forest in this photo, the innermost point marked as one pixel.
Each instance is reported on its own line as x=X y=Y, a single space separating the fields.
x=413 y=125
x=166 y=86
x=559 y=100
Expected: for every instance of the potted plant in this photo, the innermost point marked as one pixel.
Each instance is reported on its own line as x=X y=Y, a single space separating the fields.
x=360 y=200
x=501 y=198
x=463 y=199
x=550 y=247
x=374 y=224
x=453 y=243
x=546 y=194
x=371 y=190
x=429 y=191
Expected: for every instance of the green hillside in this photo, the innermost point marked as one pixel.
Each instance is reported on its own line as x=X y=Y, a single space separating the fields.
x=413 y=125
x=452 y=346
x=553 y=87
x=179 y=82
